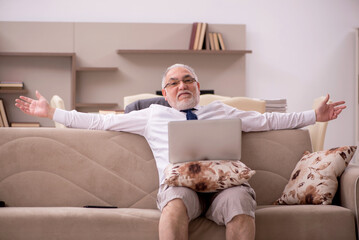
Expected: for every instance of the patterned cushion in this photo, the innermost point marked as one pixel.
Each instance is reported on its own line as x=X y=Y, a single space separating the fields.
x=208 y=176
x=314 y=179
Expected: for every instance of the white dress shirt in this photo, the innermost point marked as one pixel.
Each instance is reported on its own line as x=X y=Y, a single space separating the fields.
x=152 y=123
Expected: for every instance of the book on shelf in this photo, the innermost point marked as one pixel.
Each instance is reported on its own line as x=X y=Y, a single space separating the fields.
x=211 y=42
x=1 y=122
x=201 y=42
x=216 y=42
x=4 y=119
x=25 y=124
x=206 y=39
x=193 y=35
x=198 y=33
x=11 y=85
x=221 y=42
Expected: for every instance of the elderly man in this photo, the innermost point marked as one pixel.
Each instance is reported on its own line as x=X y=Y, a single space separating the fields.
x=233 y=207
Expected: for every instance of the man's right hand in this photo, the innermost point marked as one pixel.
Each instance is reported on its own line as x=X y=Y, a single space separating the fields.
x=39 y=107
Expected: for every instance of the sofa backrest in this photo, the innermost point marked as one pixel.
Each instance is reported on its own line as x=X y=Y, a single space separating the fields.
x=71 y=167
x=273 y=155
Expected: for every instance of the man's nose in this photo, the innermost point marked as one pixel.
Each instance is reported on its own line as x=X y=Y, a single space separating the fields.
x=182 y=85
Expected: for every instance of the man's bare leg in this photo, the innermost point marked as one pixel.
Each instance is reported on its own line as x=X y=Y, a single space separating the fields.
x=241 y=227
x=174 y=221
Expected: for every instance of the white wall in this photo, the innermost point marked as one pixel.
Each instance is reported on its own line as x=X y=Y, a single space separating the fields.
x=301 y=49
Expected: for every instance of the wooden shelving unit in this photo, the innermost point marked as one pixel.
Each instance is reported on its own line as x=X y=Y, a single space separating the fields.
x=181 y=51
x=70 y=55
x=37 y=54
x=88 y=70
x=11 y=91
x=96 y=105
x=97 y=69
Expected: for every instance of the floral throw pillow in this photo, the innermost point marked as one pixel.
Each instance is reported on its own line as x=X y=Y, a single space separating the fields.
x=314 y=179
x=208 y=176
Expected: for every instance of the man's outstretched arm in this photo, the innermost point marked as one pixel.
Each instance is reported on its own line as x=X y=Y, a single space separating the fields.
x=38 y=108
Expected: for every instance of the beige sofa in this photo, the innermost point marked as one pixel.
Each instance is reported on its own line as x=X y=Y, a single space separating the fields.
x=47 y=175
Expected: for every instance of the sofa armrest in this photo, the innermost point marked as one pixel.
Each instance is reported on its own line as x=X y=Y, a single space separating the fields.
x=349 y=189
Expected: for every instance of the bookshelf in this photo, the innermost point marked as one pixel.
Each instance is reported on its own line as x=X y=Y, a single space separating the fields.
x=182 y=51
x=28 y=67
x=16 y=91
x=74 y=73
x=95 y=65
x=97 y=69
x=83 y=105
x=96 y=105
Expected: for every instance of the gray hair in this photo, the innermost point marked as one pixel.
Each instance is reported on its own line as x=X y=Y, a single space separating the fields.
x=191 y=70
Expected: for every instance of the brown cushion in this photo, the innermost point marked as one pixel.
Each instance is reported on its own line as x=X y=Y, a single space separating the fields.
x=314 y=179
x=208 y=176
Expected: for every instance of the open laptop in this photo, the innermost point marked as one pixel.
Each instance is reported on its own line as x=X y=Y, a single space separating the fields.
x=196 y=140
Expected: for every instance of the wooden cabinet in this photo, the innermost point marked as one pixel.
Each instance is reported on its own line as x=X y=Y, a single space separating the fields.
x=164 y=51
x=94 y=66
x=49 y=72
x=86 y=105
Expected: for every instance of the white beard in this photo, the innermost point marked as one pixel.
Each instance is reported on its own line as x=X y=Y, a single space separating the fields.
x=186 y=103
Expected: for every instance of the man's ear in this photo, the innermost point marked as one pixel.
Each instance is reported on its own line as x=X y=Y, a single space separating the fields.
x=164 y=93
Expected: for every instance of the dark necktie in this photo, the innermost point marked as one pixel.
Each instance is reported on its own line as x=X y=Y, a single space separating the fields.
x=189 y=114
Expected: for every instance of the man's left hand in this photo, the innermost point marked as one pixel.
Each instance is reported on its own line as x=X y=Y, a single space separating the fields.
x=329 y=111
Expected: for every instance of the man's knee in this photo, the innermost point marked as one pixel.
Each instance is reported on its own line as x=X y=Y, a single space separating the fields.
x=232 y=202
x=242 y=226
x=242 y=219
x=175 y=208
x=185 y=198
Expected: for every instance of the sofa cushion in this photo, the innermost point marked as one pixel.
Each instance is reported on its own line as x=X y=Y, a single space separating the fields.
x=73 y=223
x=298 y=222
x=314 y=179
x=208 y=176
x=145 y=103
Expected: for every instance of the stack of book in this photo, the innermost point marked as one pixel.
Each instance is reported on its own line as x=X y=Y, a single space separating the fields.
x=11 y=85
x=201 y=39
x=276 y=105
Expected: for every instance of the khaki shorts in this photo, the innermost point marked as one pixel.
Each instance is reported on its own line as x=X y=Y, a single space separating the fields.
x=219 y=207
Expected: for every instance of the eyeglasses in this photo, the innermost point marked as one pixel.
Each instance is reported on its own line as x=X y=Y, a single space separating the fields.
x=175 y=83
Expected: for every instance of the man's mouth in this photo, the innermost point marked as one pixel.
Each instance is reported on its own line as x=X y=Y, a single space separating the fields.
x=184 y=95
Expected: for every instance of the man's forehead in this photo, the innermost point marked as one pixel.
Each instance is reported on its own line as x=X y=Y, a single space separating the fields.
x=178 y=72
